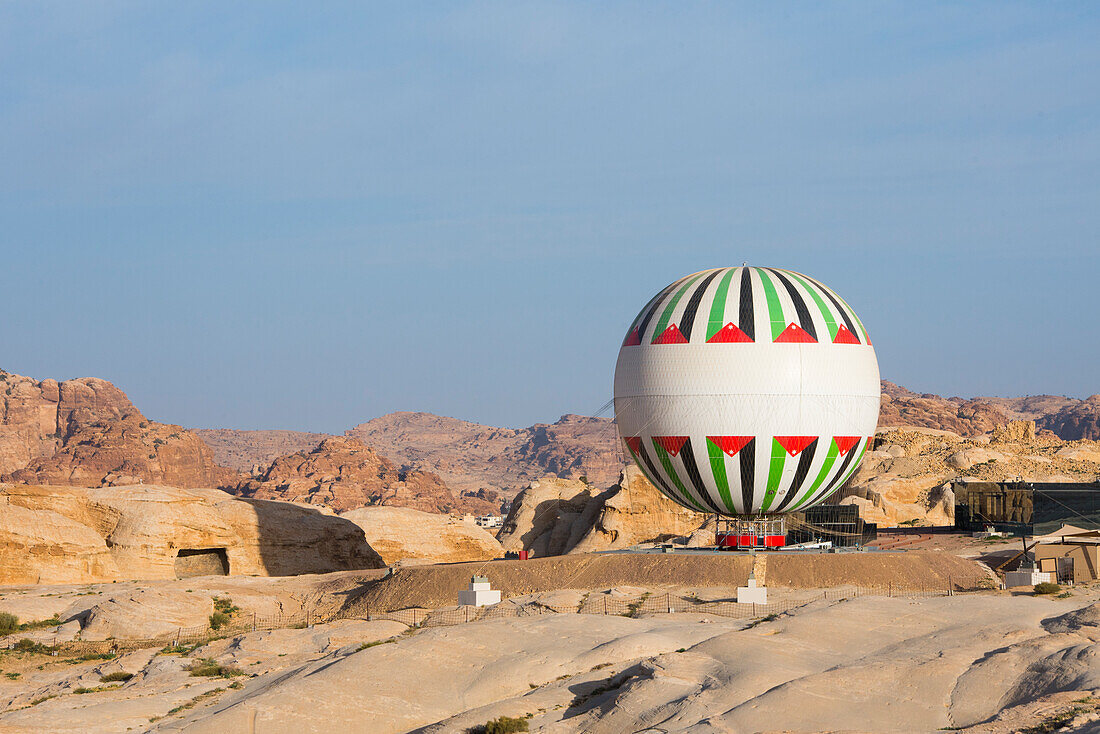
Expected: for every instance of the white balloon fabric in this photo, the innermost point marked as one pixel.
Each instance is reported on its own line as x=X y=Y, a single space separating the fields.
x=744 y=391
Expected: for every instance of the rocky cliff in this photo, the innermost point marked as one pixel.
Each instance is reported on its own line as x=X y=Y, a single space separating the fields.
x=554 y=516
x=1076 y=420
x=403 y=535
x=56 y=535
x=344 y=474
x=86 y=432
x=469 y=456
x=252 y=451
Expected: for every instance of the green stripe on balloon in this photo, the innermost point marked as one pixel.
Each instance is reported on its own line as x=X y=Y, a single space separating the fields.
x=662 y=324
x=641 y=467
x=825 y=312
x=717 y=318
x=830 y=459
x=775 y=474
x=666 y=462
x=775 y=308
x=718 y=468
x=853 y=467
x=851 y=313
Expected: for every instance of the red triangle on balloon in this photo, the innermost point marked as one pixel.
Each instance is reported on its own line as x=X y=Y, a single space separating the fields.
x=671 y=444
x=671 y=335
x=635 y=443
x=795 y=444
x=844 y=444
x=843 y=336
x=633 y=339
x=730 y=445
x=729 y=334
x=795 y=334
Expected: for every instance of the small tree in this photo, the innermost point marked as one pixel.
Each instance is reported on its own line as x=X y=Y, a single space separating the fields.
x=8 y=623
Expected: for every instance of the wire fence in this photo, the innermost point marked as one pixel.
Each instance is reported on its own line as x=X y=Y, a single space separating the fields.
x=646 y=604
x=239 y=623
x=419 y=617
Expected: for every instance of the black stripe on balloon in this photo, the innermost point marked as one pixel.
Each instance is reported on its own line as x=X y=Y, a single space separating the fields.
x=666 y=490
x=744 y=307
x=688 y=318
x=843 y=311
x=688 y=457
x=804 y=461
x=747 y=455
x=656 y=303
x=804 y=319
x=843 y=468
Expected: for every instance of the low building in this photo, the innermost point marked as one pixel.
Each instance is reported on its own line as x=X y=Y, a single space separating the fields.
x=1069 y=554
x=1026 y=508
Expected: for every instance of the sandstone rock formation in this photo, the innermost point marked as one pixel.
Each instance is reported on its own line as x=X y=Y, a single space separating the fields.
x=403 y=535
x=1076 y=421
x=343 y=474
x=470 y=456
x=556 y=516
x=901 y=407
x=86 y=432
x=892 y=487
x=51 y=534
x=252 y=451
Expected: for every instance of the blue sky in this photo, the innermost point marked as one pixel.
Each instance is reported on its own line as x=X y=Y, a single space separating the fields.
x=268 y=215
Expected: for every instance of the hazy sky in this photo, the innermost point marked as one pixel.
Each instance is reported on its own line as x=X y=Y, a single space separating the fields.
x=305 y=215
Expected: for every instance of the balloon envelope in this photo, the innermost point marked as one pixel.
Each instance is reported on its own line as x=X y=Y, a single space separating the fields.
x=747 y=391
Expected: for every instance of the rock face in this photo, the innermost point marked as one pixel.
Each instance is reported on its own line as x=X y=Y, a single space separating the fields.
x=470 y=456
x=251 y=451
x=1076 y=421
x=76 y=535
x=343 y=474
x=403 y=535
x=905 y=477
x=86 y=432
x=901 y=407
x=556 y=516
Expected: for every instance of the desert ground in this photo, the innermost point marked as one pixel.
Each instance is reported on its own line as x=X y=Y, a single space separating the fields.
x=981 y=660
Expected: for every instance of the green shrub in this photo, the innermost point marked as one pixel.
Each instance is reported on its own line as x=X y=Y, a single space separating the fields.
x=226 y=605
x=53 y=621
x=8 y=623
x=1045 y=587
x=118 y=675
x=210 y=668
x=503 y=725
x=218 y=620
x=26 y=645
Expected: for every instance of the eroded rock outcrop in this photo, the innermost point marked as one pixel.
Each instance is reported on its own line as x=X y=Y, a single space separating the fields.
x=343 y=474
x=87 y=433
x=556 y=516
x=1076 y=421
x=404 y=535
x=470 y=456
x=905 y=478
x=53 y=534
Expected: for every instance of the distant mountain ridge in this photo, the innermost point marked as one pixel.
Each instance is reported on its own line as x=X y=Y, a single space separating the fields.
x=86 y=432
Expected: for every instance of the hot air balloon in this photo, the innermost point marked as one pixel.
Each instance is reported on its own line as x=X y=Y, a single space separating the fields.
x=748 y=392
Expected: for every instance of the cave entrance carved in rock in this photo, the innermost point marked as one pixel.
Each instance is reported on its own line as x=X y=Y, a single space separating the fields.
x=201 y=562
